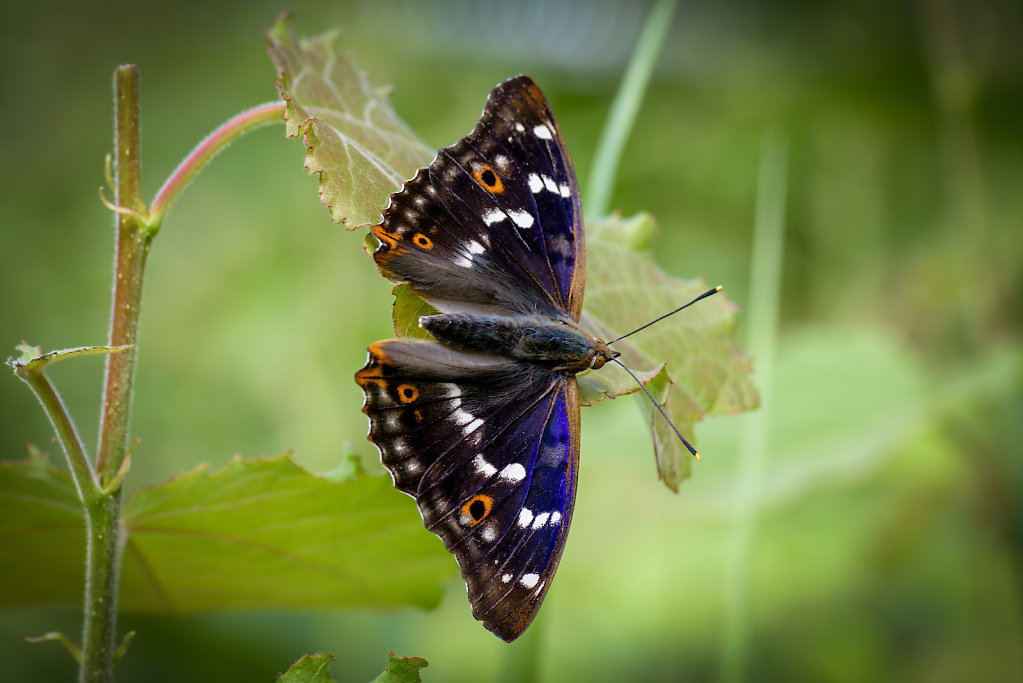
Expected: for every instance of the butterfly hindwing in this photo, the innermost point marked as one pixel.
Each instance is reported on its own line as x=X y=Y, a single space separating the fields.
x=421 y=399
x=495 y=221
x=507 y=588
x=491 y=460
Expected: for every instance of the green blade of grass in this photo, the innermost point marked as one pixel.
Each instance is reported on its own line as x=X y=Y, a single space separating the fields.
x=625 y=108
x=764 y=298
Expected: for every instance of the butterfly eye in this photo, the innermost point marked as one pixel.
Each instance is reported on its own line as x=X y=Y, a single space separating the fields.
x=486 y=177
x=407 y=393
x=476 y=509
x=422 y=241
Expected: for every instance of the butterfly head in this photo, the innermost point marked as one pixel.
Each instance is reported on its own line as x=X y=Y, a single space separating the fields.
x=599 y=353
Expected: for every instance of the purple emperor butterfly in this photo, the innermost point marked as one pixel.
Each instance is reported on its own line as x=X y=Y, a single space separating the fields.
x=481 y=426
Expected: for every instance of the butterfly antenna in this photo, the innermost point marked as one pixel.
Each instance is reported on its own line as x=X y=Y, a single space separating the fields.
x=658 y=406
x=709 y=292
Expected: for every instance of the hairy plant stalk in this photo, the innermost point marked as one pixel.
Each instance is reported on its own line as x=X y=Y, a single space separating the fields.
x=103 y=515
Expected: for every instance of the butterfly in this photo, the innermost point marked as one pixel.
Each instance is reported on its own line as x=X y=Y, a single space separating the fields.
x=481 y=426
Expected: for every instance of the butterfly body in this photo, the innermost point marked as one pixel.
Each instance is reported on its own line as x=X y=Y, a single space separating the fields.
x=481 y=426
x=556 y=345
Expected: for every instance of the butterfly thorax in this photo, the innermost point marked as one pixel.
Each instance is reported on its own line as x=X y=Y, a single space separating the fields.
x=557 y=344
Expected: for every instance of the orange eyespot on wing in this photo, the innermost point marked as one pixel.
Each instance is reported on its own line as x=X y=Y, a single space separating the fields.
x=407 y=393
x=476 y=509
x=486 y=176
x=422 y=241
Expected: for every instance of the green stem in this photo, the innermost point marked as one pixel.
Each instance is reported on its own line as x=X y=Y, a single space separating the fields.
x=625 y=108
x=133 y=241
x=102 y=574
x=103 y=533
x=764 y=300
x=272 y=112
x=81 y=469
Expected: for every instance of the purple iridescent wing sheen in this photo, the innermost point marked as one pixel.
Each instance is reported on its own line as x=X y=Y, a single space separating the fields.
x=489 y=448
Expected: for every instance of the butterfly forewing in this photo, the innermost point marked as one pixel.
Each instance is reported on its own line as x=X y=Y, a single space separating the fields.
x=495 y=220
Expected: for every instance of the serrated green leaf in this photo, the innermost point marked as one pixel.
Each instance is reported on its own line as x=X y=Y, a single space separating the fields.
x=259 y=533
x=309 y=669
x=705 y=373
x=354 y=140
x=402 y=670
x=267 y=533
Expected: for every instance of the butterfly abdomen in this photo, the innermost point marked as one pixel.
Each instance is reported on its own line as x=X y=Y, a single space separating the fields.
x=541 y=341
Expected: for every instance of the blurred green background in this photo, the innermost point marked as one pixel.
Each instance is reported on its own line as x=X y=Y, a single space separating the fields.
x=889 y=513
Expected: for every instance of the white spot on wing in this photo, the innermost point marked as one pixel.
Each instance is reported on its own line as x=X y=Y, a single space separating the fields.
x=462 y=417
x=565 y=190
x=494 y=216
x=463 y=261
x=551 y=185
x=489 y=533
x=472 y=426
x=519 y=127
x=523 y=219
x=543 y=132
x=513 y=472
x=541 y=519
x=555 y=518
x=475 y=247
x=529 y=580
x=525 y=517
x=506 y=578
x=483 y=467
x=450 y=390
x=535 y=183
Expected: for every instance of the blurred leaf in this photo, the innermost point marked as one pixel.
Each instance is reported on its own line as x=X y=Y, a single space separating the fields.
x=402 y=670
x=258 y=533
x=704 y=372
x=42 y=534
x=354 y=140
x=267 y=533
x=309 y=669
